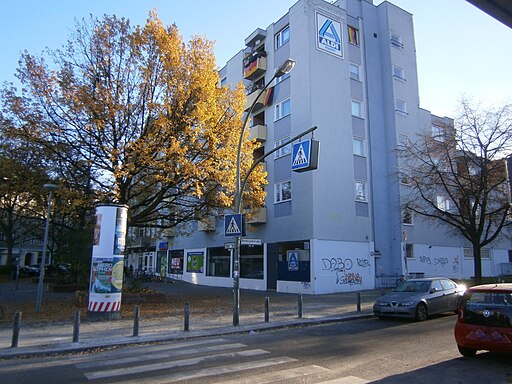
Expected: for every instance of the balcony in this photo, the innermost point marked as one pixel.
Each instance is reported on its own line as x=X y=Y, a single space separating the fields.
x=258 y=132
x=254 y=66
x=251 y=97
x=256 y=38
x=259 y=217
x=206 y=224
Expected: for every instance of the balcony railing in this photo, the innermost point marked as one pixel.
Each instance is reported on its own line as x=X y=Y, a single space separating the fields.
x=258 y=132
x=260 y=217
x=250 y=99
x=254 y=67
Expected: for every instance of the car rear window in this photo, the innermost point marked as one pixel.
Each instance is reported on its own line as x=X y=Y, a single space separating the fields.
x=487 y=308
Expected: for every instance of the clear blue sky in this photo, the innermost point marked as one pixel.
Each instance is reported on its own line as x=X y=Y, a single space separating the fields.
x=460 y=50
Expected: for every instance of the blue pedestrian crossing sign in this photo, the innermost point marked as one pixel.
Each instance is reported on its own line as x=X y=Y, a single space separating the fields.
x=305 y=156
x=234 y=225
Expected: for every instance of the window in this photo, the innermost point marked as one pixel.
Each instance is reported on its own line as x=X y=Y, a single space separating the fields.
x=409 y=251
x=217 y=262
x=484 y=253
x=354 y=71
x=282 y=37
x=282 y=109
x=353 y=35
x=223 y=81
x=443 y=203
x=251 y=262
x=283 y=191
x=286 y=150
x=400 y=106
x=358 y=145
x=396 y=40
x=357 y=108
x=398 y=73
x=438 y=133
x=407 y=217
x=360 y=190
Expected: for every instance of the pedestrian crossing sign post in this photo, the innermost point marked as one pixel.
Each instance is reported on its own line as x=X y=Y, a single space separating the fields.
x=305 y=155
x=234 y=225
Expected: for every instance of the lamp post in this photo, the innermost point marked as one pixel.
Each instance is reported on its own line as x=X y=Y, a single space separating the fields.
x=50 y=188
x=285 y=68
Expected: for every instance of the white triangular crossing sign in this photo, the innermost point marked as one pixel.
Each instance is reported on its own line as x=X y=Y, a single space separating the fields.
x=305 y=156
x=232 y=227
x=300 y=158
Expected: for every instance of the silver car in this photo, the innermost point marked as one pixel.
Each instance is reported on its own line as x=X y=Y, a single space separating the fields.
x=419 y=298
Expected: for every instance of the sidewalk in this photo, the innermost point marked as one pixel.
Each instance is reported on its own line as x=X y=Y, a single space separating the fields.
x=41 y=339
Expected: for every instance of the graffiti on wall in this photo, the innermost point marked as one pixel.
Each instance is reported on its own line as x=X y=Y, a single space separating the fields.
x=441 y=262
x=342 y=269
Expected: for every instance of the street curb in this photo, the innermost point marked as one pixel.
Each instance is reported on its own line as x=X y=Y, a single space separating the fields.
x=65 y=348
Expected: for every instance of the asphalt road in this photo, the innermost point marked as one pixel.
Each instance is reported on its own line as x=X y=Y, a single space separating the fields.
x=354 y=352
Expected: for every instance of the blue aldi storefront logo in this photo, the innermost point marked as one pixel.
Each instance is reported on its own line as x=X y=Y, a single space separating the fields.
x=329 y=35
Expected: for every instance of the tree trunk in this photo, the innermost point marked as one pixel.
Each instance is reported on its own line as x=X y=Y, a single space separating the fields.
x=477 y=259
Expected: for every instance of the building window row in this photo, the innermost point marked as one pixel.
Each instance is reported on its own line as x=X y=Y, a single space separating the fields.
x=286 y=150
x=401 y=107
x=282 y=37
x=357 y=109
x=353 y=35
x=398 y=73
x=354 y=71
x=283 y=191
x=360 y=191
x=358 y=146
x=282 y=109
x=396 y=41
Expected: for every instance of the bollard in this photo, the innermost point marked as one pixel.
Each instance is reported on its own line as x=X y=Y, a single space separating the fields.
x=267 y=313
x=300 y=302
x=76 y=326
x=16 y=329
x=358 y=301
x=136 y=321
x=186 y=322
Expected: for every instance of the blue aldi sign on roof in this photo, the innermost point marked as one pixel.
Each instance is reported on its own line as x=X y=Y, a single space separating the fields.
x=329 y=35
x=305 y=156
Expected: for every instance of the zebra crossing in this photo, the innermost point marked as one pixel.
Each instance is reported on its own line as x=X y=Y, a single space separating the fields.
x=215 y=360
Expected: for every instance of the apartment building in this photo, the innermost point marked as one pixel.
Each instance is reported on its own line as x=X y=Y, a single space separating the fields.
x=339 y=227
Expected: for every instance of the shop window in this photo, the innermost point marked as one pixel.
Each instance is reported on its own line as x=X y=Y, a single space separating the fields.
x=251 y=261
x=217 y=262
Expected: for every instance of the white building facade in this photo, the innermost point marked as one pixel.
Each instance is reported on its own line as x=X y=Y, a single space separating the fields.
x=339 y=227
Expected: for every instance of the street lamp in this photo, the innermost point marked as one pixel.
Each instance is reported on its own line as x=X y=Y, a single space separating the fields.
x=285 y=68
x=50 y=188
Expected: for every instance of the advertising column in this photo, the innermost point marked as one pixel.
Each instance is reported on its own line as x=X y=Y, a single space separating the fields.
x=107 y=264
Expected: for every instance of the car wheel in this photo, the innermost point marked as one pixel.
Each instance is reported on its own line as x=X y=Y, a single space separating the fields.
x=466 y=352
x=421 y=312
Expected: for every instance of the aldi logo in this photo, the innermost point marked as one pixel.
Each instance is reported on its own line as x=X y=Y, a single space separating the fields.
x=329 y=35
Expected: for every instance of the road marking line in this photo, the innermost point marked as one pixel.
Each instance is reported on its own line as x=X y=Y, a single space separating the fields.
x=139 y=358
x=171 y=364
x=346 y=380
x=286 y=374
x=226 y=369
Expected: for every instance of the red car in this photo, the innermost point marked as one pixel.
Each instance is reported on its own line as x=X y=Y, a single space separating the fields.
x=484 y=320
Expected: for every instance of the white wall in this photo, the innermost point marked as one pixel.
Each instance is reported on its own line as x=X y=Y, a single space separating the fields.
x=341 y=266
x=450 y=262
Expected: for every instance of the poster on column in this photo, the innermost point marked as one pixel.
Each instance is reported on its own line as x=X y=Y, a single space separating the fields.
x=120 y=230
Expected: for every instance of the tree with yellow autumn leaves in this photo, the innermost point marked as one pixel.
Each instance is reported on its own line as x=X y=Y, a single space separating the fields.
x=140 y=115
